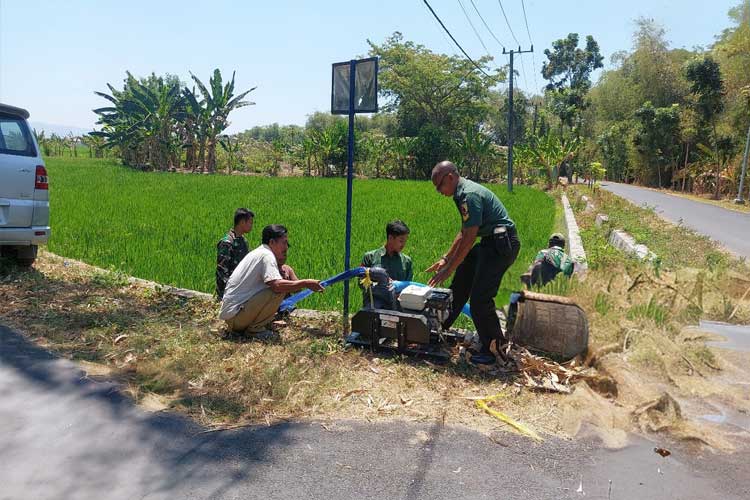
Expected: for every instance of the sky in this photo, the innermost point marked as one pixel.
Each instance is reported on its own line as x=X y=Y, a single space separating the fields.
x=54 y=55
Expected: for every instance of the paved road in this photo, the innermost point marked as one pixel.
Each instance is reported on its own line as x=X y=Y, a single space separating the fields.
x=63 y=435
x=728 y=227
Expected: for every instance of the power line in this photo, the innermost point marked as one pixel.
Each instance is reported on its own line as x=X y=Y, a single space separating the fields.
x=525 y=20
x=473 y=28
x=454 y=40
x=528 y=32
x=485 y=24
x=523 y=71
x=508 y=23
x=523 y=68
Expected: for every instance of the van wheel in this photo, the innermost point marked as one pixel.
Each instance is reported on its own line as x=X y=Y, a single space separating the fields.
x=26 y=255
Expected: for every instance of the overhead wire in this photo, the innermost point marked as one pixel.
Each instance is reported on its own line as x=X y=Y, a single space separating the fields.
x=486 y=25
x=528 y=32
x=455 y=41
x=466 y=15
x=507 y=23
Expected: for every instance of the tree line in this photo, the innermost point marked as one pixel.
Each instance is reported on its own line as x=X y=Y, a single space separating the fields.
x=658 y=115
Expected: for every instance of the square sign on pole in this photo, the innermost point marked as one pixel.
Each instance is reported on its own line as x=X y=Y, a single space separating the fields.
x=365 y=86
x=354 y=89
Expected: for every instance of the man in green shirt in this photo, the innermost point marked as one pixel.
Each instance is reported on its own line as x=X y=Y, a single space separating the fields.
x=478 y=268
x=390 y=257
x=548 y=263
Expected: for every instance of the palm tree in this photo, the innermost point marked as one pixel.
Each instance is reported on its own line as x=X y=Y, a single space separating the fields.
x=218 y=102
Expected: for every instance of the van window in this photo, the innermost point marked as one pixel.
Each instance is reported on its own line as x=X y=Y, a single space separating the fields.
x=14 y=137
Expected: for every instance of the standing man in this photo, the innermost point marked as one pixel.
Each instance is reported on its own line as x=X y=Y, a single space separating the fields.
x=479 y=268
x=232 y=248
x=257 y=287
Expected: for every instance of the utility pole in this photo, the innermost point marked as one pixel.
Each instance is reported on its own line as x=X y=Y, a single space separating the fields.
x=740 y=200
x=510 y=114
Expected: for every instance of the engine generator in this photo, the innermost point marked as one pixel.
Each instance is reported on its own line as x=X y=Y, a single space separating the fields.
x=408 y=324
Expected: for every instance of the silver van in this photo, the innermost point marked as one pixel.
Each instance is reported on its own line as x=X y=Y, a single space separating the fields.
x=24 y=189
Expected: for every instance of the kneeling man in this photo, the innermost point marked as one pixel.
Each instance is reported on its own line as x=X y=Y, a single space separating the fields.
x=259 y=284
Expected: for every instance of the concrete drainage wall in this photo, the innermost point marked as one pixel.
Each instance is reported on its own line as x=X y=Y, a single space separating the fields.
x=575 y=244
x=625 y=242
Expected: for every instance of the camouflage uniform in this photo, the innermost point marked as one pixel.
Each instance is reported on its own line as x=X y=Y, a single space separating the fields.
x=230 y=251
x=556 y=257
x=547 y=264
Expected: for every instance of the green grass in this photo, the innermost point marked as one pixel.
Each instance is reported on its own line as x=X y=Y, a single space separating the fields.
x=164 y=226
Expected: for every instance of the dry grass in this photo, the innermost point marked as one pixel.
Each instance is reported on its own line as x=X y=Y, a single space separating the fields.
x=168 y=353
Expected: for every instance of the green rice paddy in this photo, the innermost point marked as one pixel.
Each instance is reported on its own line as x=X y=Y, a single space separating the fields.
x=164 y=226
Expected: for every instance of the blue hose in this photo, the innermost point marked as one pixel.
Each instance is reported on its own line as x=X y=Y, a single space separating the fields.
x=398 y=286
x=289 y=303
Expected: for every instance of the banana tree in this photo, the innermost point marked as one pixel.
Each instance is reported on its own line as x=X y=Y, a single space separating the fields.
x=476 y=150
x=141 y=120
x=232 y=148
x=374 y=146
x=195 y=130
x=551 y=151
x=329 y=146
x=218 y=101
x=401 y=148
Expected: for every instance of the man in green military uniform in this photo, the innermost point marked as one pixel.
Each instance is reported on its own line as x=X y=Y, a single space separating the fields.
x=478 y=268
x=548 y=263
x=390 y=256
x=232 y=248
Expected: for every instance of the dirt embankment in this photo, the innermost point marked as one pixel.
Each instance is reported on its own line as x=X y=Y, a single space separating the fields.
x=642 y=374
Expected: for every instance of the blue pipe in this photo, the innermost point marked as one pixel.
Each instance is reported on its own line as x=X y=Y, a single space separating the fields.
x=289 y=302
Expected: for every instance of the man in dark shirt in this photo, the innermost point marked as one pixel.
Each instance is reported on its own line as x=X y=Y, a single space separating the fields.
x=478 y=268
x=232 y=248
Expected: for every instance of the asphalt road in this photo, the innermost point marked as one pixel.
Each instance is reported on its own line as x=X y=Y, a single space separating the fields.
x=728 y=227
x=63 y=435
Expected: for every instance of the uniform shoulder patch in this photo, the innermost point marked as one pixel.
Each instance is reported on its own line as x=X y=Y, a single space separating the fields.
x=463 y=207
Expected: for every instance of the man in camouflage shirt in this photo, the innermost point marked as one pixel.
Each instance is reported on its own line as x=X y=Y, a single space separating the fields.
x=548 y=263
x=232 y=248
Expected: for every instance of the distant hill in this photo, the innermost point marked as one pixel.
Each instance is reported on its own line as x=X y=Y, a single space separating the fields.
x=61 y=130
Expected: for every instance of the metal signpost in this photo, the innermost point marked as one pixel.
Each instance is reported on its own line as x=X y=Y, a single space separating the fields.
x=354 y=89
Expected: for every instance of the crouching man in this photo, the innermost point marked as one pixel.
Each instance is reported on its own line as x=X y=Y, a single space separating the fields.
x=548 y=263
x=259 y=284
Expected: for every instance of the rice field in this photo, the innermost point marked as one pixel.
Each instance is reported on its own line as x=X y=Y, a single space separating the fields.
x=164 y=226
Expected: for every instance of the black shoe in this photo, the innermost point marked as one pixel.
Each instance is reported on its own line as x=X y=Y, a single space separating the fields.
x=482 y=359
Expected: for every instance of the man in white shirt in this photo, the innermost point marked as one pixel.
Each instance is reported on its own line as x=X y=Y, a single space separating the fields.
x=260 y=282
